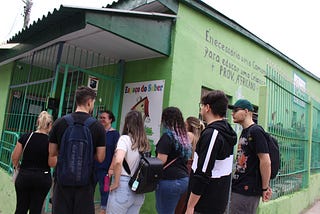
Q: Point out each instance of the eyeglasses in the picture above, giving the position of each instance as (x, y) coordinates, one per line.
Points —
(237, 109)
(201, 105)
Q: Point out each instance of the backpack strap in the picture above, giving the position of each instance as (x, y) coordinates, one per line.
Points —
(69, 119)
(89, 121)
(125, 163)
(126, 166)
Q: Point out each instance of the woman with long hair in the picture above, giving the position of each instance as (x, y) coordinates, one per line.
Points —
(34, 179)
(194, 128)
(174, 149)
(131, 143)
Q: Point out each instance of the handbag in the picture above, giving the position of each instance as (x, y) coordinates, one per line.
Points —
(16, 169)
(147, 175)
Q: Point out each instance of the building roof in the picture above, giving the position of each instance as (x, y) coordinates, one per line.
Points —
(120, 34)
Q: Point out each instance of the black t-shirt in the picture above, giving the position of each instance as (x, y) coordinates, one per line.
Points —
(178, 169)
(247, 177)
(35, 155)
(60, 125)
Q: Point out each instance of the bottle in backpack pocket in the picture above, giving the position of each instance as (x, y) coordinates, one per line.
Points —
(106, 183)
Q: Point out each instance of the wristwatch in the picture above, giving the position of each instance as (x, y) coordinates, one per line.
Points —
(263, 190)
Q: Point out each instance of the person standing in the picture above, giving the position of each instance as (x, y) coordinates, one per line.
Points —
(253, 166)
(106, 118)
(212, 164)
(194, 128)
(68, 198)
(34, 179)
(174, 149)
(131, 143)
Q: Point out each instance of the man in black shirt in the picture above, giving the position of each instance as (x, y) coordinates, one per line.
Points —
(253, 165)
(76, 199)
(212, 164)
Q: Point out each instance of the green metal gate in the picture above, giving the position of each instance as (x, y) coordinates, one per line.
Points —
(287, 116)
(30, 87)
(46, 80)
(69, 78)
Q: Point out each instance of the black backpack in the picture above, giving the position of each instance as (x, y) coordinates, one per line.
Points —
(75, 160)
(147, 175)
(274, 152)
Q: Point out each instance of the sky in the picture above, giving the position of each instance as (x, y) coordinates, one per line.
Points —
(290, 26)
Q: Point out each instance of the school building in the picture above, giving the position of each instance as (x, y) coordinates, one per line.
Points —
(147, 55)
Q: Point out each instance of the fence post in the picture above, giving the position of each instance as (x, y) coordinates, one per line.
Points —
(263, 107)
(309, 150)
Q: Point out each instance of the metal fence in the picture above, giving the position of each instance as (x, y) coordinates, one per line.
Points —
(315, 146)
(46, 80)
(288, 109)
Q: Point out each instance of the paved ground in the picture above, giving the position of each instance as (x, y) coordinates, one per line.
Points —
(314, 209)
(7, 196)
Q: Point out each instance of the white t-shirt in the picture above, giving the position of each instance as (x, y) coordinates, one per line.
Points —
(132, 156)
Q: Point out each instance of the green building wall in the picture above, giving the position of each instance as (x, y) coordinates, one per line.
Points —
(209, 54)
(5, 71)
(150, 69)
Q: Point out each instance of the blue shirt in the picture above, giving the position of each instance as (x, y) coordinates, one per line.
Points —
(112, 137)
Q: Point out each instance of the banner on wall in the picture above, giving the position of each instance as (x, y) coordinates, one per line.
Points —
(146, 97)
(299, 90)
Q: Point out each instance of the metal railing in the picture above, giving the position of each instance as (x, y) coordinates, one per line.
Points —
(288, 110)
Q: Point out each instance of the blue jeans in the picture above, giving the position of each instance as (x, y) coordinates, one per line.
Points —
(168, 194)
(123, 200)
(100, 174)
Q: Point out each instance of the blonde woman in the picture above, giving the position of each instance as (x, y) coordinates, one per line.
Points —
(34, 179)
(132, 141)
(194, 128)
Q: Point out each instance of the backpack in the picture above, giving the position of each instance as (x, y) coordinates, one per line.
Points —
(75, 159)
(274, 152)
(147, 175)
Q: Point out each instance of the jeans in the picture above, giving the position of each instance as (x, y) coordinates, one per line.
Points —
(100, 174)
(32, 186)
(168, 194)
(123, 200)
(243, 204)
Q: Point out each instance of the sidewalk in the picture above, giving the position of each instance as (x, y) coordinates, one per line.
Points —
(314, 209)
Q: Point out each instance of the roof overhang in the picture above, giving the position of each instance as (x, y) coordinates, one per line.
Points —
(120, 34)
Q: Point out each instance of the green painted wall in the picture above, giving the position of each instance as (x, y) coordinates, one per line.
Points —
(150, 69)
(5, 72)
(294, 203)
(207, 53)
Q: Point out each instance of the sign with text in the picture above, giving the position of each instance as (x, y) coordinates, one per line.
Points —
(147, 98)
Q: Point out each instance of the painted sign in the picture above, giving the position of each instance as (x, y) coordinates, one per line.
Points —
(146, 97)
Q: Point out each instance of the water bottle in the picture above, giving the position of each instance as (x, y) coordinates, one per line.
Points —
(106, 183)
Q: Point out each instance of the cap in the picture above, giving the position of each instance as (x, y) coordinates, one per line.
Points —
(242, 103)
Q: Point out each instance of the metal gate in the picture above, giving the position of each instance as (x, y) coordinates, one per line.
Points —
(46, 80)
(69, 78)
